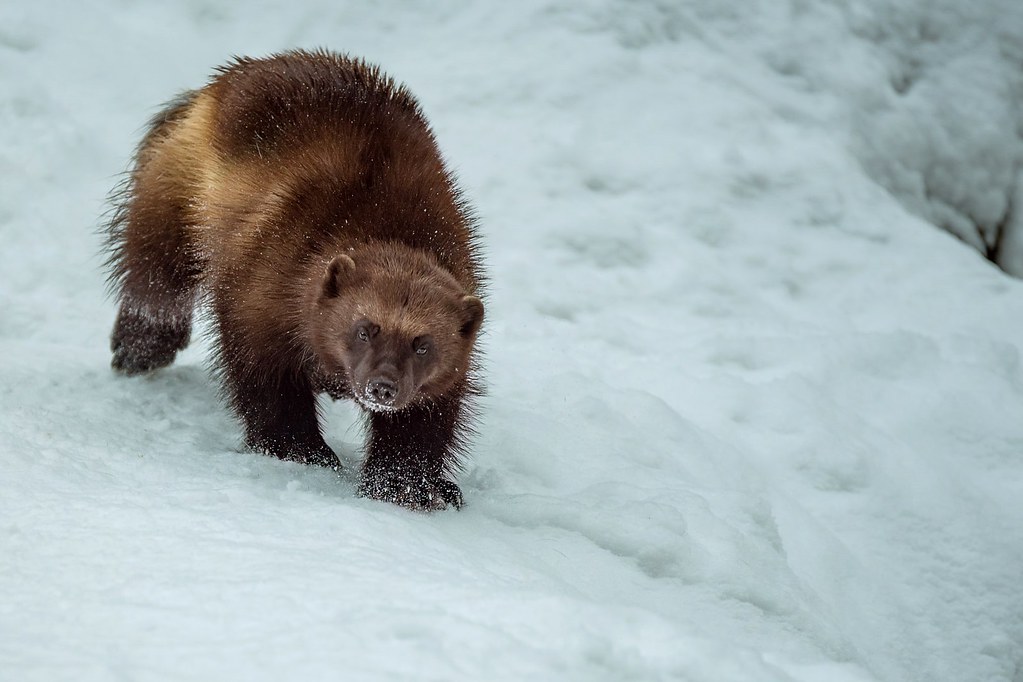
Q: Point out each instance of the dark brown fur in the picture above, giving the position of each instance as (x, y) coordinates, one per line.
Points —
(304, 198)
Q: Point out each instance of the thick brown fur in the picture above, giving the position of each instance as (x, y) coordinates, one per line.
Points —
(303, 199)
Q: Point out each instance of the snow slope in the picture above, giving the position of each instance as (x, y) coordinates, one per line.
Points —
(750, 418)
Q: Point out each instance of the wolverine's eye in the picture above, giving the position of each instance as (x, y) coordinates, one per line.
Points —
(422, 345)
(366, 331)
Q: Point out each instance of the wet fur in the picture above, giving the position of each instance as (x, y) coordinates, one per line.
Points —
(242, 196)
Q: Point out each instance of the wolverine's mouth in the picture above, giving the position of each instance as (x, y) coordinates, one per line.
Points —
(374, 406)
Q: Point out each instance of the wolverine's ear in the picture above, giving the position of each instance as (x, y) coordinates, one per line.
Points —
(337, 272)
(472, 316)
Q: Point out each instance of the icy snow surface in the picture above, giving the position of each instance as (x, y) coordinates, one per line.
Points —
(751, 418)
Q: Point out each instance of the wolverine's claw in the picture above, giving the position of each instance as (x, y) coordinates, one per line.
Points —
(422, 495)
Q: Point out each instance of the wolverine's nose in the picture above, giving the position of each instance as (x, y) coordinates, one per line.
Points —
(382, 391)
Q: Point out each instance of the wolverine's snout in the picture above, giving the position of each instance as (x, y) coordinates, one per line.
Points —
(382, 391)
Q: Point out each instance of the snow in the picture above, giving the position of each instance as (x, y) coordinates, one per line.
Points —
(750, 416)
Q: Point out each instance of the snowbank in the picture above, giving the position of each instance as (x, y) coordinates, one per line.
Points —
(749, 418)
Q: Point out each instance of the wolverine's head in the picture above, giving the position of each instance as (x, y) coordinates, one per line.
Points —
(396, 325)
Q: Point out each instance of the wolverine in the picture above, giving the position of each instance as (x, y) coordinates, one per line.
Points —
(302, 202)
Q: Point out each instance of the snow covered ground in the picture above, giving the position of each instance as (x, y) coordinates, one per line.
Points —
(751, 418)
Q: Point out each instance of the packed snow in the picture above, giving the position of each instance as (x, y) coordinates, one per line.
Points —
(752, 415)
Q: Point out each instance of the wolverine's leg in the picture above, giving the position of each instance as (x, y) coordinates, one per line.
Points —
(276, 403)
(280, 417)
(158, 284)
(153, 266)
(409, 454)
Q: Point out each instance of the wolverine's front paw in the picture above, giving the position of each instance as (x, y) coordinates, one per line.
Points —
(321, 458)
(315, 454)
(416, 494)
